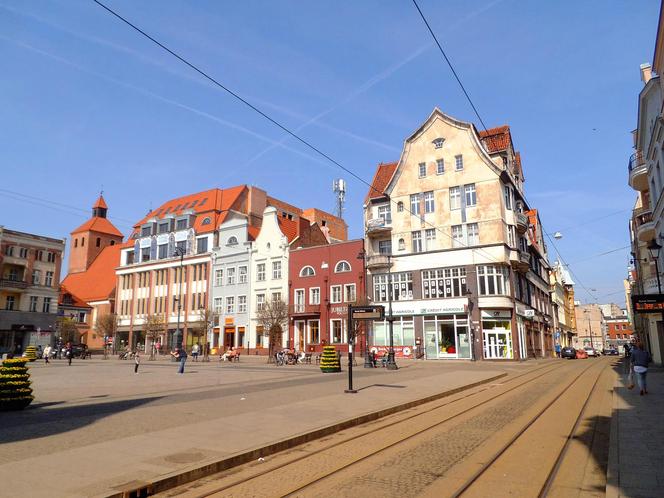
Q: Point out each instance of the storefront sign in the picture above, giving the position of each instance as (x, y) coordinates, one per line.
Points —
(366, 312)
(529, 313)
(435, 307)
(496, 314)
(399, 351)
(229, 321)
(339, 310)
(648, 303)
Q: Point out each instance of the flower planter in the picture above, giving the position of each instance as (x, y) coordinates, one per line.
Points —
(15, 391)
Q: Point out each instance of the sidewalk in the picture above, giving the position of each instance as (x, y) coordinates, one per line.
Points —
(636, 468)
(155, 425)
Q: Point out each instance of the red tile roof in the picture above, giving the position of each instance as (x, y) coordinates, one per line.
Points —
(253, 232)
(381, 179)
(97, 283)
(100, 203)
(100, 225)
(76, 301)
(291, 228)
(496, 139)
(213, 204)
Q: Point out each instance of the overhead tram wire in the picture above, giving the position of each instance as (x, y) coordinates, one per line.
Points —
(279, 125)
(470, 101)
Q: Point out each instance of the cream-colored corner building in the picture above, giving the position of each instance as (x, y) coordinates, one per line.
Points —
(562, 297)
(469, 270)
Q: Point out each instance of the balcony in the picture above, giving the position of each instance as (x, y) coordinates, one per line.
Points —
(304, 309)
(522, 222)
(13, 283)
(644, 224)
(638, 172)
(377, 261)
(523, 263)
(379, 226)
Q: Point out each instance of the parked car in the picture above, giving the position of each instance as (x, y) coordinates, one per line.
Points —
(80, 351)
(581, 354)
(568, 352)
(591, 351)
(610, 352)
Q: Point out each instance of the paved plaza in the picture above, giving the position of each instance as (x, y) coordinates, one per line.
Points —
(96, 428)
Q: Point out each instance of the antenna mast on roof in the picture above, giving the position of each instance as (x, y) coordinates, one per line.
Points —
(339, 189)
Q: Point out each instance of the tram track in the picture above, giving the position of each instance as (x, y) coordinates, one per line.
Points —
(372, 430)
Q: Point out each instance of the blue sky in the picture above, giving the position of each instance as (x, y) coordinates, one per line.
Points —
(87, 102)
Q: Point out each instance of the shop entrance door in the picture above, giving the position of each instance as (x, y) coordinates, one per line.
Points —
(299, 335)
(497, 344)
(229, 337)
(431, 344)
(463, 343)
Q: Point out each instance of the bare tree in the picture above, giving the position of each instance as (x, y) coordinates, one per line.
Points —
(273, 317)
(202, 327)
(154, 326)
(106, 326)
(67, 330)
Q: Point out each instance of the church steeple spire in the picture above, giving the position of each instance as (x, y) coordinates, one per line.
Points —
(100, 208)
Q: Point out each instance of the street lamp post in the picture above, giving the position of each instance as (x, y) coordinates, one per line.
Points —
(179, 252)
(653, 249)
(590, 328)
(391, 363)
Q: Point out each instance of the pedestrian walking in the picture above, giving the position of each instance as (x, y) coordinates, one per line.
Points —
(137, 362)
(206, 356)
(557, 350)
(639, 359)
(194, 352)
(47, 353)
(181, 355)
(69, 353)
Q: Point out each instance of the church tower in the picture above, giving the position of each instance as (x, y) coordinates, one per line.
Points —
(88, 240)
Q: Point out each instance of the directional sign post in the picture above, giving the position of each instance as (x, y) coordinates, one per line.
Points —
(359, 313)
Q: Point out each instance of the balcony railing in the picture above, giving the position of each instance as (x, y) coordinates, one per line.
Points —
(522, 222)
(379, 225)
(635, 160)
(642, 217)
(14, 283)
(304, 309)
(378, 261)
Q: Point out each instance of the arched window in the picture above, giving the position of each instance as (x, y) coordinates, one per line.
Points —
(75, 242)
(82, 241)
(206, 221)
(341, 267)
(98, 242)
(232, 241)
(399, 207)
(112, 242)
(402, 245)
(307, 271)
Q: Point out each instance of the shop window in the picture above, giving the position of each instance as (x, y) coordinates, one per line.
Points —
(314, 331)
(336, 331)
(444, 282)
(402, 286)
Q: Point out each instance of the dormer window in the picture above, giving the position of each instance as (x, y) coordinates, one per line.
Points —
(438, 143)
(146, 231)
(232, 241)
(206, 221)
(181, 224)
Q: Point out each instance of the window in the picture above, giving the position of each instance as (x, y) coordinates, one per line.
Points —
(219, 277)
(444, 282)
(342, 266)
(428, 202)
(232, 241)
(415, 204)
(163, 227)
(458, 162)
(146, 231)
(455, 198)
(48, 281)
(422, 170)
(336, 329)
(384, 214)
(181, 224)
(457, 236)
(201, 245)
(242, 275)
(276, 296)
(438, 143)
(471, 195)
(46, 306)
(230, 276)
(511, 236)
(440, 166)
(314, 331)
(508, 197)
(314, 295)
(97, 244)
(402, 245)
(402, 286)
(473, 232)
(40, 254)
(430, 236)
(50, 257)
(399, 207)
(335, 293)
(242, 304)
(33, 303)
(35, 277)
(276, 270)
(384, 247)
(493, 280)
(9, 303)
(260, 302)
(417, 241)
(145, 254)
(181, 247)
(206, 221)
(230, 304)
(351, 294)
(260, 272)
(163, 251)
(75, 242)
(307, 271)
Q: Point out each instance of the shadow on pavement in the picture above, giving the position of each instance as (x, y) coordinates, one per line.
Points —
(40, 420)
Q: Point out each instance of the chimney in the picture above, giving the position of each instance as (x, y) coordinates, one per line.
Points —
(256, 205)
(646, 73)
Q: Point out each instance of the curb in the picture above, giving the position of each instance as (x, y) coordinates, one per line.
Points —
(612, 489)
(178, 478)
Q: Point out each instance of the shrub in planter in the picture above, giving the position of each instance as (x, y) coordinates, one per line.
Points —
(15, 392)
(329, 361)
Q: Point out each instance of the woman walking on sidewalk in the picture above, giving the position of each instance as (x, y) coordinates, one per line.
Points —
(640, 358)
(137, 362)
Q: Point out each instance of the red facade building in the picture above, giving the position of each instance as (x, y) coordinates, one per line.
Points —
(323, 281)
